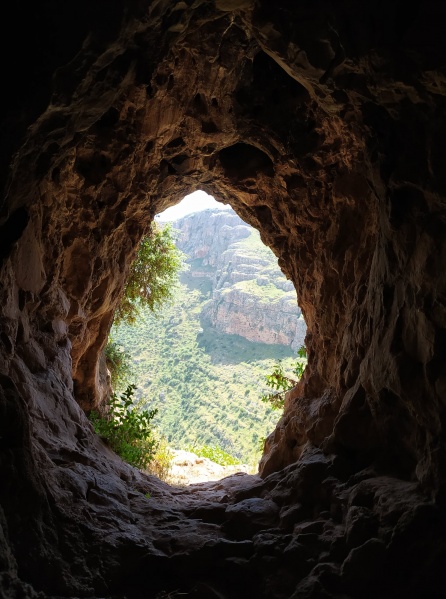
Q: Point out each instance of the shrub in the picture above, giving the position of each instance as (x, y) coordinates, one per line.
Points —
(216, 454)
(281, 383)
(162, 460)
(127, 430)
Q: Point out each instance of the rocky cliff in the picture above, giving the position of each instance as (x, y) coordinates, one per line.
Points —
(204, 236)
(250, 296)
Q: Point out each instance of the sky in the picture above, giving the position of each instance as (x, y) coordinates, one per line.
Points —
(193, 202)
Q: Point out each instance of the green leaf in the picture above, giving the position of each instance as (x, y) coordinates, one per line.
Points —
(278, 381)
(127, 430)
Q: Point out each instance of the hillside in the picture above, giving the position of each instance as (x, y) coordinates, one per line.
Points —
(248, 294)
(198, 361)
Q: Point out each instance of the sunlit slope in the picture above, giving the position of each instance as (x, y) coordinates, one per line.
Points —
(206, 385)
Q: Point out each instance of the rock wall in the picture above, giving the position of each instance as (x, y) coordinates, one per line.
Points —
(323, 125)
(235, 311)
(250, 296)
(206, 235)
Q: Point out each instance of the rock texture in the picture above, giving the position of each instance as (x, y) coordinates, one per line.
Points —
(323, 125)
(240, 311)
(249, 295)
(204, 236)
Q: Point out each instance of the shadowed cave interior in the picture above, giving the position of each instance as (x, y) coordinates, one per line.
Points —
(323, 126)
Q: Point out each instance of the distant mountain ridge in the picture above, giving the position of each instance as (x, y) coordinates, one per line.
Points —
(248, 294)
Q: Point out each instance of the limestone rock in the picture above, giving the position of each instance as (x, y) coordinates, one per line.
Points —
(250, 297)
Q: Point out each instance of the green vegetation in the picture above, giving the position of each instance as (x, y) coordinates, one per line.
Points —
(269, 284)
(153, 276)
(253, 247)
(205, 384)
(127, 430)
(197, 389)
(119, 364)
(215, 454)
(162, 460)
(282, 383)
(267, 292)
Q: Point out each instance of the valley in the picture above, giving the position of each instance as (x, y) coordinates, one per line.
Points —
(202, 361)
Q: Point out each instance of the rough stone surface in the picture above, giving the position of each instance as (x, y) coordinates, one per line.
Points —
(323, 125)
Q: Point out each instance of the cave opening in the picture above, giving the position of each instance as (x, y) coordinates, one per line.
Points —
(202, 359)
(324, 125)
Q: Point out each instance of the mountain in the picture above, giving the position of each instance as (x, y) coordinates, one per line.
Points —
(249, 295)
(199, 361)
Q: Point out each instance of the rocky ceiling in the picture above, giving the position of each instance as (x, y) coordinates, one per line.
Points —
(323, 124)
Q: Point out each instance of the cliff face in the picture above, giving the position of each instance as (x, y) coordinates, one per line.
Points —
(206, 235)
(250, 296)
(323, 125)
(237, 310)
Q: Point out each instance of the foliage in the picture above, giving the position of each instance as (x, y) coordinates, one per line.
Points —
(214, 453)
(151, 283)
(299, 367)
(204, 383)
(119, 364)
(281, 383)
(266, 293)
(252, 246)
(271, 284)
(153, 276)
(127, 430)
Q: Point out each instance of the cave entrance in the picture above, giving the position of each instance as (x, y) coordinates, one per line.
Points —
(201, 361)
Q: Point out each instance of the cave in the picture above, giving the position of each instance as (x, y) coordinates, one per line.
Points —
(322, 125)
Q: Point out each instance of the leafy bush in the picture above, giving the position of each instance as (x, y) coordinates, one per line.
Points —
(153, 276)
(127, 430)
(214, 453)
(119, 364)
(281, 383)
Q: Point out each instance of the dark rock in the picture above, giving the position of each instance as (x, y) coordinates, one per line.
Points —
(250, 515)
(361, 525)
(363, 565)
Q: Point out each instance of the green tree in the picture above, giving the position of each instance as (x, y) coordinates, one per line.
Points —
(153, 276)
(151, 283)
